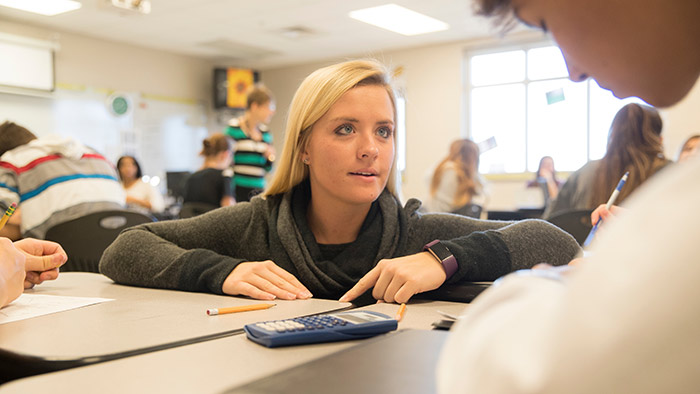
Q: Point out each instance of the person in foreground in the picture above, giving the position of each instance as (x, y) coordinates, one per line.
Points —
(626, 319)
(26, 263)
(330, 223)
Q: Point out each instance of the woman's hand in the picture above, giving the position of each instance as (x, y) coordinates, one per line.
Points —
(264, 280)
(397, 280)
(604, 213)
(42, 260)
(12, 272)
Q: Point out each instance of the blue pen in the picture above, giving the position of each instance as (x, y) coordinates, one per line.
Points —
(610, 203)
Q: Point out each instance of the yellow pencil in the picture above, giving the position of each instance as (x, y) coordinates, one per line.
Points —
(401, 312)
(7, 215)
(242, 308)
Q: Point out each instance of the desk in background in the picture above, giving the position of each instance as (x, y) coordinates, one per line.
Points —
(212, 366)
(138, 320)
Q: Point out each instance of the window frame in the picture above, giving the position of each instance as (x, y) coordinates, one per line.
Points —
(468, 87)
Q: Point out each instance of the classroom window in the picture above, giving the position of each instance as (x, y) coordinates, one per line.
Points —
(523, 100)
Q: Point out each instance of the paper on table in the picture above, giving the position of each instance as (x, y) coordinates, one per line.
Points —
(33, 305)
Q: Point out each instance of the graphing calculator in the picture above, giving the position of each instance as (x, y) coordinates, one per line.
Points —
(320, 328)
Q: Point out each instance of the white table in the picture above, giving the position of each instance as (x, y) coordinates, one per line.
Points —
(138, 320)
(212, 366)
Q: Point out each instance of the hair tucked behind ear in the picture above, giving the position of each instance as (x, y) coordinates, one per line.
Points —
(315, 96)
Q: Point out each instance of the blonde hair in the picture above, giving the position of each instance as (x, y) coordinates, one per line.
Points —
(216, 143)
(464, 154)
(315, 96)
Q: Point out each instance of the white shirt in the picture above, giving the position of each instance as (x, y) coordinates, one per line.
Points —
(627, 321)
(144, 191)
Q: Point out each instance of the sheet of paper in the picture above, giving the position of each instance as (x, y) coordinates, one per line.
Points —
(33, 305)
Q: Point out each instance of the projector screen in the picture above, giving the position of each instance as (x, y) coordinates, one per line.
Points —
(26, 66)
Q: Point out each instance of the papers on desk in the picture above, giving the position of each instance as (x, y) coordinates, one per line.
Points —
(33, 305)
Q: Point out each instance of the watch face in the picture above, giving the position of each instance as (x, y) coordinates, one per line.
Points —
(441, 251)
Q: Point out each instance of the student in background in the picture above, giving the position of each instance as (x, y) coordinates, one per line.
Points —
(626, 320)
(53, 179)
(26, 263)
(546, 179)
(140, 195)
(634, 145)
(690, 147)
(253, 153)
(210, 187)
(330, 224)
(456, 180)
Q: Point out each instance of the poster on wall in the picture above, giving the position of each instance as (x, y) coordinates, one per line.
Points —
(232, 86)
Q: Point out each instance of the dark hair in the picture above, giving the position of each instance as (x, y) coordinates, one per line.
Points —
(502, 10)
(259, 95)
(216, 143)
(13, 135)
(139, 174)
(634, 145)
(538, 174)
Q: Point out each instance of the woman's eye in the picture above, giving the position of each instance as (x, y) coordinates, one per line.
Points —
(344, 129)
(384, 132)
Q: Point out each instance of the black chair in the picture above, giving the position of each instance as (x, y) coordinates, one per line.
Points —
(575, 222)
(85, 238)
(470, 210)
(191, 209)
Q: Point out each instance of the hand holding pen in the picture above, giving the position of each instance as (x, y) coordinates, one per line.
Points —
(608, 207)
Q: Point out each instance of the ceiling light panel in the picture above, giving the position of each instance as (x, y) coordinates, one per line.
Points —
(399, 20)
(42, 7)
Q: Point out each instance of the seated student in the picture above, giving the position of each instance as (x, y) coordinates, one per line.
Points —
(690, 148)
(211, 186)
(634, 145)
(330, 217)
(140, 195)
(53, 179)
(26, 263)
(626, 320)
(456, 181)
(546, 179)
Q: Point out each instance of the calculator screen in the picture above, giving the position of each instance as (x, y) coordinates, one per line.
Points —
(359, 317)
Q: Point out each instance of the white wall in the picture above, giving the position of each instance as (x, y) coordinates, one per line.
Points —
(170, 95)
(172, 103)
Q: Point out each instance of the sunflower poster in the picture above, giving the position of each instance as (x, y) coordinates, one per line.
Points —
(240, 81)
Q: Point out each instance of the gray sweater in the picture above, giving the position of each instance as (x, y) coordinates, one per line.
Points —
(198, 254)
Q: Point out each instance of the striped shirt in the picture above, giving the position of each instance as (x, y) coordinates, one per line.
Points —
(55, 179)
(249, 163)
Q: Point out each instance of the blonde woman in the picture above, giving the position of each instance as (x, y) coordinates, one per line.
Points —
(330, 224)
(456, 181)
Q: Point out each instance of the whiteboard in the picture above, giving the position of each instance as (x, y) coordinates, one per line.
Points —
(164, 136)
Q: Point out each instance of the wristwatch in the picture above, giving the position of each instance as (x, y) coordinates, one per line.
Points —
(446, 258)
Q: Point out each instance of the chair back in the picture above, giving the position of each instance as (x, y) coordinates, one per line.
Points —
(85, 238)
(576, 222)
(470, 210)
